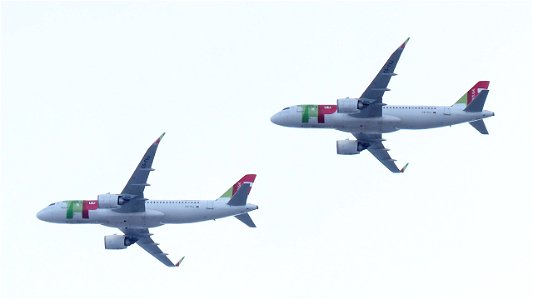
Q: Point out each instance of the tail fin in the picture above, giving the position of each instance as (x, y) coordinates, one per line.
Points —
(471, 94)
(250, 178)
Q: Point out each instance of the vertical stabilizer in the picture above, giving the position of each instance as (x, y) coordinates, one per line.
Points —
(235, 187)
(472, 93)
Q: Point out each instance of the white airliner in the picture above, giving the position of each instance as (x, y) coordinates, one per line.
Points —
(367, 117)
(133, 214)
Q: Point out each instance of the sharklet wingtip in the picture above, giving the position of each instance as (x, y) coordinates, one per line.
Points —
(160, 138)
(404, 167)
(405, 43)
(179, 261)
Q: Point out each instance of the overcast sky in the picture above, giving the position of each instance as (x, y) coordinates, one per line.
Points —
(88, 86)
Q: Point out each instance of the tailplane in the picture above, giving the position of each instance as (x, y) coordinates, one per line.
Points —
(479, 125)
(237, 195)
(478, 103)
(246, 219)
(472, 93)
(476, 106)
(241, 196)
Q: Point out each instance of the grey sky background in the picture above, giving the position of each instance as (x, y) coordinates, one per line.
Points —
(88, 86)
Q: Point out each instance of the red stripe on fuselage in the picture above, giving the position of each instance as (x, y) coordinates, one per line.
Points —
(88, 205)
(325, 110)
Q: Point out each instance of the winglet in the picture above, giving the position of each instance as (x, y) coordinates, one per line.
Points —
(159, 139)
(404, 43)
(404, 167)
(179, 262)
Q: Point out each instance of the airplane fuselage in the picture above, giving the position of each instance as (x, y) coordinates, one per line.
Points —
(394, 118)
(157, 213)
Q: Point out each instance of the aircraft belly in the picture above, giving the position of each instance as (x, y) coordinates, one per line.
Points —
(178, 215)
(421, 119)
(383, 124)
(462, 117)
(423, 122)
(148, 218)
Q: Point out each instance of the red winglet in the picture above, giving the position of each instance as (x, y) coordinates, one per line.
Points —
(179, 262)
(159, 139)
(404, 43)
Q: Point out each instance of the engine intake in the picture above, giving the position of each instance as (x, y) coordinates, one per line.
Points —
(116, 241)
(350, 147)
(349, 105)
(110, 201)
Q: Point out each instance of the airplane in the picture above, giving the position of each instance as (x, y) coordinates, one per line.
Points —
(133, 214)
(367, 117)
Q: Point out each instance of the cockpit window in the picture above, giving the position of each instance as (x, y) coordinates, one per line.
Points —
(286, 108)
(51, 204)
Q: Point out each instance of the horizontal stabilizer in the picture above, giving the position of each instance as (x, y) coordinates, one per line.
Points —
(240, 197)
(479, 125)
(246, 219)
(477, 104)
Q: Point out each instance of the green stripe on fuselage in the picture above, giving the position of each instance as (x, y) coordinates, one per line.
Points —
(308, 112)
(75, 206)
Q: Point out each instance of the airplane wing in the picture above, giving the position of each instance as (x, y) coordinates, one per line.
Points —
(134, 189)
(375, 146)
(142, 235)
(373, 94)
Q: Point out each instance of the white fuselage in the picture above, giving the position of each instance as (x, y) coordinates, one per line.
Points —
(157, 213)
(394, 118)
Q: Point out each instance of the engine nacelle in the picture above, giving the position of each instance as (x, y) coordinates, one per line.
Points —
(350, 147)
(349, 105)
(116, 241)
(110, 201)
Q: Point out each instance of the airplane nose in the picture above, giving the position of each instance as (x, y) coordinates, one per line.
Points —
(43, 215)
(40, 215)
(275, 119)
(279, 119)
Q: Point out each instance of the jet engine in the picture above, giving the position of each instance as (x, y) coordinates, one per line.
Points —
(116, 241)
(349, 105)
(110, 201)
(350, 147)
